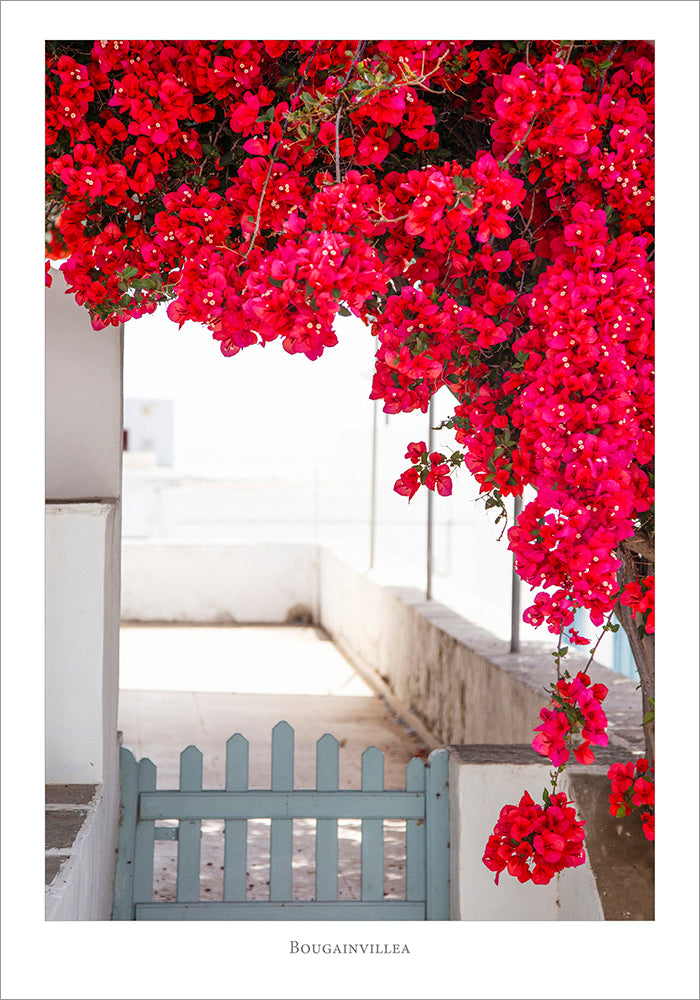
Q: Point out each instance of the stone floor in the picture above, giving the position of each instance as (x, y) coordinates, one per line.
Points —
(198, 685)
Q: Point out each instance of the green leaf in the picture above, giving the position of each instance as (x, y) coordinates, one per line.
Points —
(621, 812)
(649, 717)
(344, 311)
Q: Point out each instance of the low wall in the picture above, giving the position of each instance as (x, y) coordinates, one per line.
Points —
(482, 780)
(461, 682)
(80, 871)
(219, 583)
(456, 680)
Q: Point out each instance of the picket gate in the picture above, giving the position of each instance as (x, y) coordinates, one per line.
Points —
(423, 804)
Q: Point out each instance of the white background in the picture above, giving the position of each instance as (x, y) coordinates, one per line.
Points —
(452, 960)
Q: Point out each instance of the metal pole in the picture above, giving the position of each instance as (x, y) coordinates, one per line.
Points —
(515, 591)
(373, 498)
(429, 567)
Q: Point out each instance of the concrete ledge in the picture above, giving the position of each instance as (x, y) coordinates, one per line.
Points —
(461, 682)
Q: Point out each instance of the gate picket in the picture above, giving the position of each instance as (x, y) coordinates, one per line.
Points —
(189, 836)
(415, 835)
(123, 904)
(236, 830)
(372, 851)
(424, 805)
(437, 818)
(327, 771)
(281, 829)
(145, 839)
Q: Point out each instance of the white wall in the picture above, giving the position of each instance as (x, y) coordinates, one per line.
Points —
(218, 583)
(478, 791)
(82, 890)
(149, 427)
(81, 656)
(83, 373)
(83, 401)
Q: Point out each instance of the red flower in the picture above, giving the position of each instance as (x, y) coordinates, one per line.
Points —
(415, 451)
(533, 843)
(407, 484)
(373, 148)
(438, 478)
(551, 742)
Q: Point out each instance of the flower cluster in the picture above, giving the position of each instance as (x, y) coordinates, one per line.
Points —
(639, 596)
(575, 712)
(496, 240)
(431, 470)
(534, 843)
(486, 208)
(633, 788)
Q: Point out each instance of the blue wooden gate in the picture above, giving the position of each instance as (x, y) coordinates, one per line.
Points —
(423, 804)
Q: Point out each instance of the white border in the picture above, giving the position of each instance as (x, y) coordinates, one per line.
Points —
(251, 960)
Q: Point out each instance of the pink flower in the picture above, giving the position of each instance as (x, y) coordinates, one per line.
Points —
(415, 451)
(551, 741)
(407, 484)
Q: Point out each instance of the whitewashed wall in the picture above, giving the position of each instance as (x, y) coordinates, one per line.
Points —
(83, 533)
(82, 600)
(83, 401)
(482, 781)
(82, 890)
(172, 582)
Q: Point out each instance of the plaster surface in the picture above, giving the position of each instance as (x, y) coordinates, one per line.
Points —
(219, 583)
(83, 415)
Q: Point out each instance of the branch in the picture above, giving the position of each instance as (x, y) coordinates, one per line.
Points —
(358, 52)
(277, 145)
(520, 144)
(640, 545)
(337, 146)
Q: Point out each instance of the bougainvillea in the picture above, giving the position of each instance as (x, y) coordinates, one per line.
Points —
(575, 711)
(486, 208)
(535, 843)
(633, 788)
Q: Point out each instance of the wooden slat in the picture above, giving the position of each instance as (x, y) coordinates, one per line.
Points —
(189, 836)
(236, 830)
(123, 902)
(297, 804)
(145, 837)
(166, 833)
(327, 773)
(281, 829)
(372, 852)
(389, 909)
(437, 810)
(415, 835)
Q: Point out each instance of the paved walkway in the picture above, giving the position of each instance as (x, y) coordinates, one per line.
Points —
(185, 685)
